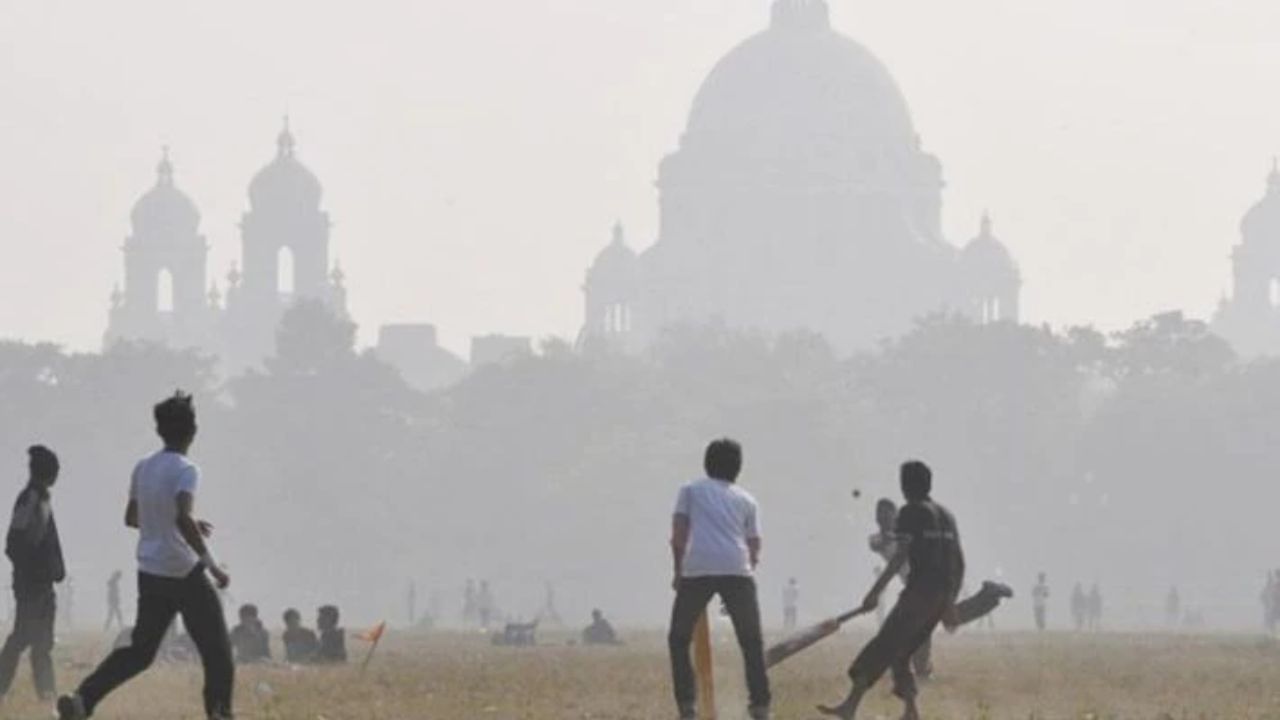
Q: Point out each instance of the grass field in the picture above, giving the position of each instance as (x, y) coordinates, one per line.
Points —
(441, 677)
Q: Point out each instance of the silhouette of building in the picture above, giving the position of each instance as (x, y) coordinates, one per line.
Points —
(165, 257)
(414, 349)
(1250, 317)
(799, 197)
(285, 257)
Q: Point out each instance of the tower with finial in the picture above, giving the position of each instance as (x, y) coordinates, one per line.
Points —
(163, 295)
(285, 254)
(610, 292)
(991, 283)
(1250, 316)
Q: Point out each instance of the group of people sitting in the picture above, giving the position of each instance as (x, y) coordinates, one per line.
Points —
(251, 641)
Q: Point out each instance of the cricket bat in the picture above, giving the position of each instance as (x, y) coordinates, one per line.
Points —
(807, 638)
(702, 667)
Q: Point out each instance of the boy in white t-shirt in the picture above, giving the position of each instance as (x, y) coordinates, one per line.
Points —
(715, 544)
(173, 559)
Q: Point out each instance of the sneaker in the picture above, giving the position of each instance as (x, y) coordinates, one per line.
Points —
(71, 707)
(1000, 589)
(758, 712)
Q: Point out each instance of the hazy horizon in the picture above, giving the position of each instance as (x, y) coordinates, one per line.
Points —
(475, 155)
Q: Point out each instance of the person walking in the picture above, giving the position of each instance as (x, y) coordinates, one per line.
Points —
(115, 616)
(174, 566)
(1040, 602)
(715, 547)
(34, 548)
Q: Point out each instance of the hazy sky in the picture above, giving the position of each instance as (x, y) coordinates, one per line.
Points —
(474, 154)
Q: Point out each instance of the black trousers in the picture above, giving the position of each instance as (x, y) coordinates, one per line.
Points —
(34, 614)
(160, 599)
(908, 626)
(739, 596)
(974, 607)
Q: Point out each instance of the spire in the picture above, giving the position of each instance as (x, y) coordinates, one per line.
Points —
(985, 228)
(619, 234)
(284, 141)
(164, 169)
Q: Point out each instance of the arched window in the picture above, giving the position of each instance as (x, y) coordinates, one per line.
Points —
(164, 291)
(285, 276)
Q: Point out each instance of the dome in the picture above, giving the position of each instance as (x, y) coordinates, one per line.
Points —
(1263, 219)
(164, 208)
(986, 257)
(616, 264)
(801, 81)
(285, 181)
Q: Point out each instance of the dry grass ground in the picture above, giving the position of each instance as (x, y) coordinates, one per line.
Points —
(442, 677)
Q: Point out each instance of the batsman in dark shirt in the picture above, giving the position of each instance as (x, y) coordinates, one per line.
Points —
(33, 546)
(929, 542)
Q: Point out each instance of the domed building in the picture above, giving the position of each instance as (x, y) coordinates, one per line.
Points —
(799, 198)
(1250, 317)
(285, 257)
(165, 257)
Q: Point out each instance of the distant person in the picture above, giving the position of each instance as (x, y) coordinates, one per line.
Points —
(300, 643)
(115, 616)
(411, 600)
(1040, 602)
(1079, 607)
(485, 605)
(1172, 608)
(1273, 604)
(600, 631)
(928, 542)
(715, 548)
(333, 639)
(550, 614)
(791, 605)
(470, 603)
(249, 638)
(34, 548)
(173, 559)
(1095, 608)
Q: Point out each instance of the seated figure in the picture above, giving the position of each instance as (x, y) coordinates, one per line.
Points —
(599, 632)
(300, 643)
(249, 639)
(333, 639)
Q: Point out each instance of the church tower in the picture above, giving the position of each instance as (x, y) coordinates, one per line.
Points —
(285, 256)
(163, 299)
(989, 278)
(610, 294)
(1250, 318)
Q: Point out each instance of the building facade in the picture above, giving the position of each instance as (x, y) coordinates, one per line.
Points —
(1249, 317)
(800, 197)
(284, 258)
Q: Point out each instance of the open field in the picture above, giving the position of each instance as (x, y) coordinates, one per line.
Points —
(979, 676)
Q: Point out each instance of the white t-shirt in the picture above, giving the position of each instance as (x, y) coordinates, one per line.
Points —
(157, 480)
(722, 517)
